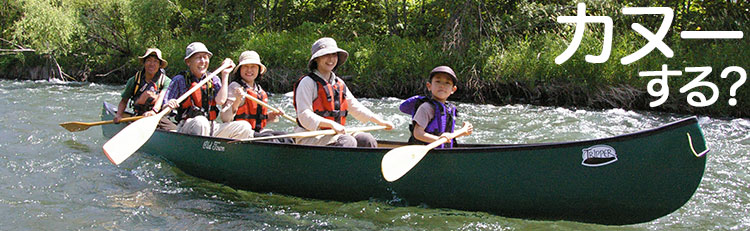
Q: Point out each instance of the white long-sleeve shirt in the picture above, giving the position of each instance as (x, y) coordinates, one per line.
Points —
(307, 91)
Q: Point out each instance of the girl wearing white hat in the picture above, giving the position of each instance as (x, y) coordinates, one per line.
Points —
(323, 101)
(244, 80)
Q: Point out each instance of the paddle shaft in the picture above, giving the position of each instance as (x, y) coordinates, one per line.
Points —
(126, 119)
(312, 133)
(187, 94)
(75, 126)
(452, 135)
(264, 104)
(438, 142)
(200, 84)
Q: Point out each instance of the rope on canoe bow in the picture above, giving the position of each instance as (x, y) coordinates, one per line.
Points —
(690, 140)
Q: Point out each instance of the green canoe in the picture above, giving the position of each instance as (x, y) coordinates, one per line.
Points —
(625, 179)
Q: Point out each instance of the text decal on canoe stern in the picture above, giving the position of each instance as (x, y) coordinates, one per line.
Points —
(213, 146)
(599, 155)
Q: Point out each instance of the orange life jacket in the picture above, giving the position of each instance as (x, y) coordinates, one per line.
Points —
(331, 101)
(200, 102)
(251, 112)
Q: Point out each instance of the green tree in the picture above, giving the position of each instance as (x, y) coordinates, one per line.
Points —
(47, 26)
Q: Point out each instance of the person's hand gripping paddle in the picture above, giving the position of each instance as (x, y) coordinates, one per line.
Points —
(398, 161)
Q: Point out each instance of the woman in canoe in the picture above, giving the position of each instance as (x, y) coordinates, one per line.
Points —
(322, 100)
(238, 108)
(146, 89)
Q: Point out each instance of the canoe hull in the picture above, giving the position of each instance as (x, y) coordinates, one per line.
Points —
(626, 179)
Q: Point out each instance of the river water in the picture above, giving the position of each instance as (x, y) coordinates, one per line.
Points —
(52, 179)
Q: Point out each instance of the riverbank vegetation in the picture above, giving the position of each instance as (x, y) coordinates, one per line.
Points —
(503, 51)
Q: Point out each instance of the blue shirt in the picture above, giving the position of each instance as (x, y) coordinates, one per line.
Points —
(177, 87)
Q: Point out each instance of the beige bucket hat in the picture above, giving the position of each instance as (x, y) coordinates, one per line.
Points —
(157, 52)
(196, 47)
(326, 46)
(250, 57)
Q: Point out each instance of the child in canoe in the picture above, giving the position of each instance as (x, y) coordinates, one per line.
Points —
(238, 108)
(433, 117)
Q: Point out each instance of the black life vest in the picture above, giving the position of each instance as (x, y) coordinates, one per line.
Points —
(142, 86)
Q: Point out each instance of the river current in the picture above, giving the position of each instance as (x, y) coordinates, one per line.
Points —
(52, 179)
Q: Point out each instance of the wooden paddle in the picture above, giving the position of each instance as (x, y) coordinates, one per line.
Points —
(269, 107)
(398, 161)
(75, 126)
(312, 133)
(132, 137)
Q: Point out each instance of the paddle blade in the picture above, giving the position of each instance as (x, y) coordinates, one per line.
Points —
(130, 139)
(397, 162)
(74, 126)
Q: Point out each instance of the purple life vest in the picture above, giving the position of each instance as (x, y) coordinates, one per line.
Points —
(442, 122)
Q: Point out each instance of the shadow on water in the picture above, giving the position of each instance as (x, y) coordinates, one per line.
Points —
(75, 145)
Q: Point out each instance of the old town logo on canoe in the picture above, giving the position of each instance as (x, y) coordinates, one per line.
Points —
(213, 145)
(599, 155)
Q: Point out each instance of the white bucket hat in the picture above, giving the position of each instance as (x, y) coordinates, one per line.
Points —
(196, 47)
(250, 57)
(157, 52)
(326, 46)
